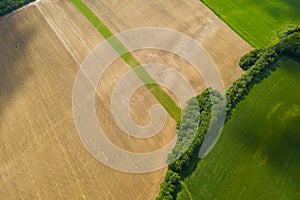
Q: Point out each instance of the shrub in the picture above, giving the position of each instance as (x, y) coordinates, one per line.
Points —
(168, 186)
(292, 29)
(250, 58)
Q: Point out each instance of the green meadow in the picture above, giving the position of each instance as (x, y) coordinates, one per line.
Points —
(258, 22)
(258, 153)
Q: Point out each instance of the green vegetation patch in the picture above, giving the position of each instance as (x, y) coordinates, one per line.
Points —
(265, 62)
(258, 22)
(7, 6)
(257, 156)
(164, 99)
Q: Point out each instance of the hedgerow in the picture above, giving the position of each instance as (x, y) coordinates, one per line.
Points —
(259, 63)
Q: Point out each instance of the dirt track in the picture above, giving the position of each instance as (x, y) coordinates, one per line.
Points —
(42, 47)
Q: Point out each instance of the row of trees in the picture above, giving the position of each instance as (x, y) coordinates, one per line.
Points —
(250, 58)
(255, 74)
(288, 45)
(259, 63)
(195, 121)
(288, 42)
(7, 6)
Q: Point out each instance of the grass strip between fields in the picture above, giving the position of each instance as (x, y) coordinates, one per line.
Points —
(164, 99)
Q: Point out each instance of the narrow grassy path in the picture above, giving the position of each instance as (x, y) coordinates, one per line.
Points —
(164, 99)
(187, 190)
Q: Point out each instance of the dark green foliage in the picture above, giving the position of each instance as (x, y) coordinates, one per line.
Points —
(292, 29)
(289, 46)
(191, 133)
(168, 186)
(262, 64)
(250, 58)
(7, 6)
(240, 88)
(186, 132)
(187, 129)
(263, 129)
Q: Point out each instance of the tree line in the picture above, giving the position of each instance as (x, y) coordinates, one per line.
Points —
(191, 132)
(7, 6)
(258, 64)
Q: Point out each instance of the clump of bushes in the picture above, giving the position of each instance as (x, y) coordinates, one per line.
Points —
(292, 29)
(168, 186)
(289, 46)
(250, 58)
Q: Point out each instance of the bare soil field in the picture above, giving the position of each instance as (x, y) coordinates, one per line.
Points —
(42, 47)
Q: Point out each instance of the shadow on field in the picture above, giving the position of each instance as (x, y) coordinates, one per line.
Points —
(285, 155)
(288, 8)
(295, 4)
(282, 152)
(15, 35)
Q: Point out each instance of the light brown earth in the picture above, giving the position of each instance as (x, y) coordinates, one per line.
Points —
(41, 49)
(190, 17)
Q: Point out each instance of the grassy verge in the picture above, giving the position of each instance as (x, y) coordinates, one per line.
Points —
(257, 156)
(258, 22)
(164, 99)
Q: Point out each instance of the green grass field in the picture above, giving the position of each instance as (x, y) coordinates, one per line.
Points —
(258, 22)
(258, 153)
(164, 99)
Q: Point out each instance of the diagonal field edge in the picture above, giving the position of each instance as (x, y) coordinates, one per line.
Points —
(164, 99)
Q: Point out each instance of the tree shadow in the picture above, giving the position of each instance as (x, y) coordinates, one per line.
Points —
(291, 8)
(15, 35)
(294, 4)
(282, 152)
(285, 155)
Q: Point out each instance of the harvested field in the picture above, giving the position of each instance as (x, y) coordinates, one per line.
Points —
(42, 47)
(189, 17)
